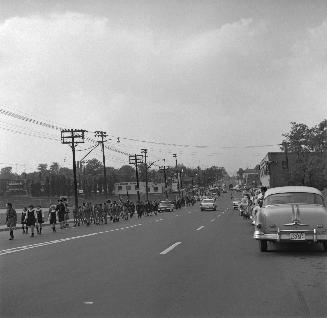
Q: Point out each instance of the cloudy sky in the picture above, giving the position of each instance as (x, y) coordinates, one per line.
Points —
(223, 75)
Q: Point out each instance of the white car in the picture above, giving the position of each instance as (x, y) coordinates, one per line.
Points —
(208, 204)
(236, 204)
(291, 214)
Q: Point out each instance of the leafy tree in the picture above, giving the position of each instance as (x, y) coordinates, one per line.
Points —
(310, 170)
(42, 167)
(6, 173)
(93, 167)
(54, 168)
(126, 173)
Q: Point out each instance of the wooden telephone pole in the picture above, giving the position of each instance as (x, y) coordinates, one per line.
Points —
(135, 160)
(73, 137)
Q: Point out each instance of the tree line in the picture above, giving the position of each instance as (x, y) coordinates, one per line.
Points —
(55, 180)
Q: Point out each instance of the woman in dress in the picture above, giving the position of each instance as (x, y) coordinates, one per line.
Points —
(11, 220)
(39, 219)
(23, 220)
(53, 217)
(31, 219)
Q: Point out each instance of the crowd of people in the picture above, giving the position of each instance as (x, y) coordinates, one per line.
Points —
(109, 211)
(250, 202)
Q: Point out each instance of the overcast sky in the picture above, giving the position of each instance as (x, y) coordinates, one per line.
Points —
(229, 73)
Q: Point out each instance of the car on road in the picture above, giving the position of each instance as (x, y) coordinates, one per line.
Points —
(291, 214)
(208, 204)
(236, 204)
(166, 206)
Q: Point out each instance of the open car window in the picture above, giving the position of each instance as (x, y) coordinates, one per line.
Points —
(293, 198)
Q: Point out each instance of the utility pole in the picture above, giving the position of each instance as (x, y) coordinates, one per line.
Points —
(163, 168)
(145, 151)
(103, 135)
(135, 160)
(73, 137)
(178, 176)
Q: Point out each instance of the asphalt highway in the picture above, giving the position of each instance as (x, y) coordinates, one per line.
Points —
(186, 263)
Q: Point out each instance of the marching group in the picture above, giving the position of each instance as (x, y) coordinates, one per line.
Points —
(86, 214)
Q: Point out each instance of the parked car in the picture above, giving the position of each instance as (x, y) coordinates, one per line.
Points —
(208, 204)
(291, 214)
(165, 206)
(236, 204)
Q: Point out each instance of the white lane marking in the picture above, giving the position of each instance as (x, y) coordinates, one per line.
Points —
(213, 220)
(200, 228)
(88, 302)
(189, 212)
(170, 248)
(30, 246)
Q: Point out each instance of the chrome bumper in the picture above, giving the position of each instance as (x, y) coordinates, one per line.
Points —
(284, 235)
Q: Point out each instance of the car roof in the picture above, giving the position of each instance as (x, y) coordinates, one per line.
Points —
(292, 189)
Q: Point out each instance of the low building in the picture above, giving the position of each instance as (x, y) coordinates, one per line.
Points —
(13, 187)
(279, 169)
(251, 177)
(123, 188)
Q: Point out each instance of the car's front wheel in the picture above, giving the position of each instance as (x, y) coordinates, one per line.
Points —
(263, 246)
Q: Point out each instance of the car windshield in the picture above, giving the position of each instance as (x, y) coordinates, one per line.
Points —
(293, 197)
(165, 203)
(208, 201)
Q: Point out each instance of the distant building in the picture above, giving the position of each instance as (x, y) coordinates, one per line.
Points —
(278, 169)
(122, 188)
(13, 187)
(251, 177)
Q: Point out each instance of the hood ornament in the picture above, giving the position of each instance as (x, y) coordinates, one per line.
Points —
(295, 216)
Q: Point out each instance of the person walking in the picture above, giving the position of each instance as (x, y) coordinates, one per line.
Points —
(39, 219)
(23, 220)
(60, 208)
(53, 217)
(11, 220)
(31, 219)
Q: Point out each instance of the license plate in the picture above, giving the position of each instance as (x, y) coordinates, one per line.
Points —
(297, 236)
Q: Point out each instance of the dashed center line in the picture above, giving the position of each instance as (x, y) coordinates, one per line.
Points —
(200, 228)
(30, 246)
(170, 248)
(213, 220)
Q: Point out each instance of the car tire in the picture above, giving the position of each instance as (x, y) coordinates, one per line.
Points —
(325, 246)
(263, 245)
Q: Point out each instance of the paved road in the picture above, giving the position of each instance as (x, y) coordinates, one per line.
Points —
(182, 264)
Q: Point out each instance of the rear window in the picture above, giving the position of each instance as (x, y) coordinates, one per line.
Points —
(164, 203)
(293, 198)
(208, 201)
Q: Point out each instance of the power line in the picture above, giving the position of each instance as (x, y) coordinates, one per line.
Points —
(28, 134)
(54, 126)
(30, 119)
